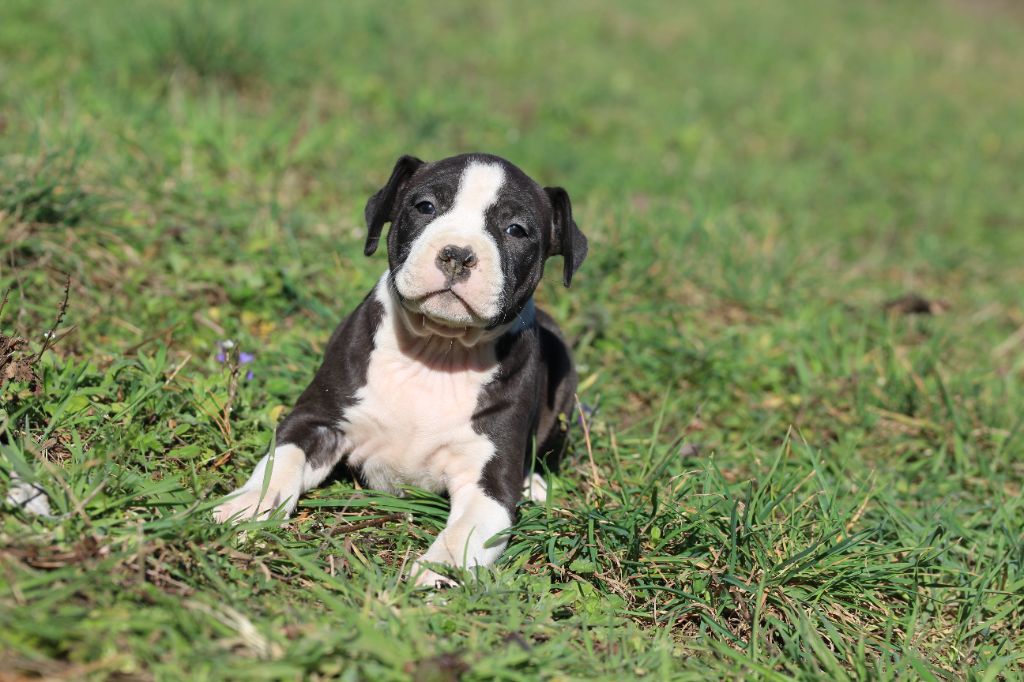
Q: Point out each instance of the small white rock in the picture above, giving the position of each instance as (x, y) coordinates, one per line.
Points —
(29, 497)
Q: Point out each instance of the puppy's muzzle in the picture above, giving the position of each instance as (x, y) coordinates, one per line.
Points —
(456, 262)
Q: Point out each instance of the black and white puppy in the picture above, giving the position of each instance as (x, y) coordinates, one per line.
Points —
(446, 377)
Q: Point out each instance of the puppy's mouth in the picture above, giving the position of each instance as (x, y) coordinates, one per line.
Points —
(442, 312)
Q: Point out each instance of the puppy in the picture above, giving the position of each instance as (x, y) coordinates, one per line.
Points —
(447, 376)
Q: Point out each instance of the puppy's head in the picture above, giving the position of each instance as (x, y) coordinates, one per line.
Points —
(469, 237)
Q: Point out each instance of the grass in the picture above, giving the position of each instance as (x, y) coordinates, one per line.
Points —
(789, 479)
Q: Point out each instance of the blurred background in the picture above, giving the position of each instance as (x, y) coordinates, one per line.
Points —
(200, 169)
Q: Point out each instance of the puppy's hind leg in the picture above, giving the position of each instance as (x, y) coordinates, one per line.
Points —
(300, 461)
(557, 407)
(535, 488)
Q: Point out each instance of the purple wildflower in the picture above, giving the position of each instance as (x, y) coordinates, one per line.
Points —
(245, 359)
(223, 349)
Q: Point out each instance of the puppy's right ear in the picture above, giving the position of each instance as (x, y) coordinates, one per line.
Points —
(381, 206)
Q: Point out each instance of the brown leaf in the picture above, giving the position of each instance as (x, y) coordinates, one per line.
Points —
(15, 364)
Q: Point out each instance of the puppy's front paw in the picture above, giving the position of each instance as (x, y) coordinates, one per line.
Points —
(246, 503)
(276, 482)
(429, 579)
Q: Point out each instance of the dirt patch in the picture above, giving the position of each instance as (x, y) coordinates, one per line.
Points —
(992, 8)
(915, 304)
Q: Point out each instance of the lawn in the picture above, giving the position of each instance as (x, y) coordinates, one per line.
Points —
(792, 469)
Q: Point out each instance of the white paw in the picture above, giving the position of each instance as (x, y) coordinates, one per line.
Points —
(431, 579)
(276, 483)
(246, 503)
(535, 488)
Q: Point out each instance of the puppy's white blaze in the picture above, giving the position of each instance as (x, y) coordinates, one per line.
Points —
(277, 481)
(462, 225)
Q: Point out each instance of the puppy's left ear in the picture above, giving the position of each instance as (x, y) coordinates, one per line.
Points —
(381, 206)
(566, 238)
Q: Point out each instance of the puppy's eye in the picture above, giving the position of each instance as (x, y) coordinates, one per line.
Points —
(426, 208)
(516, 230)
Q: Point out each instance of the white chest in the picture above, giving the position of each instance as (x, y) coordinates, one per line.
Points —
(412, 420)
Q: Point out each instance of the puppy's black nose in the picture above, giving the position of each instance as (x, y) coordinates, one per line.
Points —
(455, 262)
